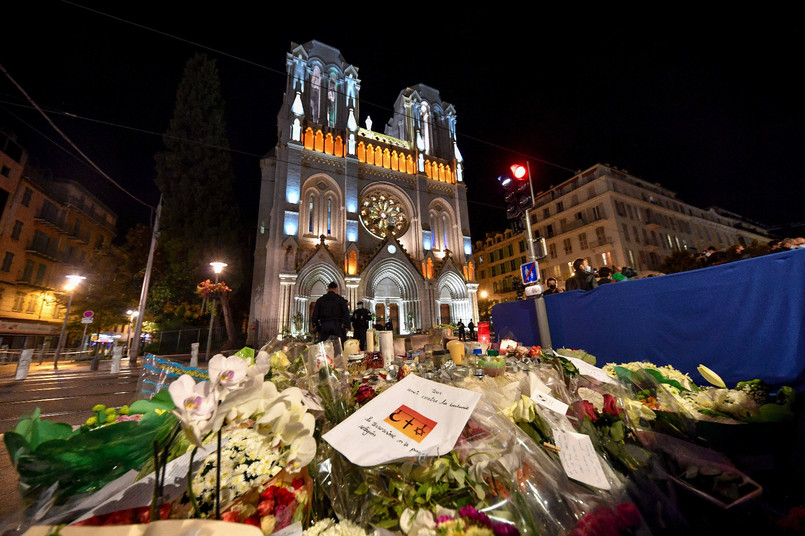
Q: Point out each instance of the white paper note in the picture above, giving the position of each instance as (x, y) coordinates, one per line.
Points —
(547, 401)
(415, 417)
(591, 370)
(579, 458)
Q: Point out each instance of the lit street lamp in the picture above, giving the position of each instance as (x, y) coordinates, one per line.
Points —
(72, 283)
(217, 267)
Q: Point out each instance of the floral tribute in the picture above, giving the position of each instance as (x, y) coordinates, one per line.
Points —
(260, 416)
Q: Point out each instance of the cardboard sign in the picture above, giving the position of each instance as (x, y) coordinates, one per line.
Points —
(415, 417)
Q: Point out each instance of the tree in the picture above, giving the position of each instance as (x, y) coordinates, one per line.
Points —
(679, 261)
(195, 175)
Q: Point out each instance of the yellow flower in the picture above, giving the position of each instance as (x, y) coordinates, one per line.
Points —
(92, 421)
(98, 407)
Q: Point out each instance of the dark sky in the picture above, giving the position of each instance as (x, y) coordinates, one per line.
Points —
(711, 108)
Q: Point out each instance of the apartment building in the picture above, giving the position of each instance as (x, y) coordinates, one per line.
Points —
(48, 229)
(611, 218)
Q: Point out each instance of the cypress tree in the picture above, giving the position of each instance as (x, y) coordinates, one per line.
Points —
(196, 177)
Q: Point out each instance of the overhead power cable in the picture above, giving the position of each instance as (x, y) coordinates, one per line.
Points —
(68, 140)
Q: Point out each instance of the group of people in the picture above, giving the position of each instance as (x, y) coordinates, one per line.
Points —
(331, 317)
(585, 278)
(711, 256)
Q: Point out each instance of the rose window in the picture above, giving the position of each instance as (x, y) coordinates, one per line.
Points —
(381, 214)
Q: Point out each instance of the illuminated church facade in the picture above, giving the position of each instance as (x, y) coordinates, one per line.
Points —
(384, 215)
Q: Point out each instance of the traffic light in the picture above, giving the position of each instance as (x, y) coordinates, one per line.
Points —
(518, 191)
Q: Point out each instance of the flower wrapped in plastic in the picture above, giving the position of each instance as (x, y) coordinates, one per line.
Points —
(328, 379)
(60, 467)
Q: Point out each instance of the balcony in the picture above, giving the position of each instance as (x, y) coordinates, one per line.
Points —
(51, 218)
(602, 244)
(43, 249)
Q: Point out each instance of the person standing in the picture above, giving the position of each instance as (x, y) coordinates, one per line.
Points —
(471, 327)
(360, 323)
(583, 279)
(389, 325)
(552, 289)
(461, 334)
(331, 315)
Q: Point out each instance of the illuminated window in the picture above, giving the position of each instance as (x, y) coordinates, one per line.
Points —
(310, 216)
(329, 216)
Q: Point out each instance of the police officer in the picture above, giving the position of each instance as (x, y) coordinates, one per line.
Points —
(331, 315)
(360, 323)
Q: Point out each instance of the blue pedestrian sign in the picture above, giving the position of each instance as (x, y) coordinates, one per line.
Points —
(529, 272)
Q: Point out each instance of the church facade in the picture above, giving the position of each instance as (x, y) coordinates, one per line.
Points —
(384, 215)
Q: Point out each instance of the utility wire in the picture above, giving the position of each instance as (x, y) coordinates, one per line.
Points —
(284, 74)
(73, 145)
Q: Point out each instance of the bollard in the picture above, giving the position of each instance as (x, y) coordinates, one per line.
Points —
(194, 354)
(96, 360)
(117, 355)
(24, 364)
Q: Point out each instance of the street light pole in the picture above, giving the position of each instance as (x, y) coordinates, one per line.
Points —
(539, 303)
(217, 267)
(72, 282)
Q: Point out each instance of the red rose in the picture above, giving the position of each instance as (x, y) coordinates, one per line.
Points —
(230, 516)
(253, 520)
(583, 409)
(611, 406)
(265, 508)
(630, 515)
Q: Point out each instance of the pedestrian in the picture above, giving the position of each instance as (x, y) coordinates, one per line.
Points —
(331, 315)
(461, 334)
(552, 288)
(604, 275)
(471, 327)
(389, 325)
(583, 279)
(360, 323)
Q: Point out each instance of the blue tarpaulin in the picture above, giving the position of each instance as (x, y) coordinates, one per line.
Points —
(744, 320)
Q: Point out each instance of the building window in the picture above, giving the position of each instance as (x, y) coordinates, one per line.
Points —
(40, 274)
(546, 212)
(7, 261)
(568, 246)
(552, 250)
(521, 243)
(6, 171)
(31, 308)
(559, 207)
(549, 231)
(626, 232)
(636, 235)
(329, 216)
(596, 210)
(583, 241)
(15, 232)
(29, 271)
(513, 265)
(600, 235)
(19, 301)
(310, 215)
(26, 197)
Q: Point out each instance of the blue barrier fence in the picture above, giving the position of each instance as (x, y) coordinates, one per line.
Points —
(744, 320)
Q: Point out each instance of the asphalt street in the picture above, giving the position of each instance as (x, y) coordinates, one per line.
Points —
(63, 395)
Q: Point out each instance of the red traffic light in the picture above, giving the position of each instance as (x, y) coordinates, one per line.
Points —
(519, 171)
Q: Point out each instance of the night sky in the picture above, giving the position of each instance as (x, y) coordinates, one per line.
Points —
(711, 108)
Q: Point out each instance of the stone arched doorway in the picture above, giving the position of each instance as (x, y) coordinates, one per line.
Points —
(391, 290)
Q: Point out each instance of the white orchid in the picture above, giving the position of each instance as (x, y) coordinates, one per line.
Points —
(196, 405)
(227, 372)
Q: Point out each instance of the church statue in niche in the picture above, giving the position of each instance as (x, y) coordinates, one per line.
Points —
(381, 213)
(315, 94)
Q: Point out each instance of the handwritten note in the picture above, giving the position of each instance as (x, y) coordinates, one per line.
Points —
(579, 459)
(415, 417)
(590, 370)
(547, 401)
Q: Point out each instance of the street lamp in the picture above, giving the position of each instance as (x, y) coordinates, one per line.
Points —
(217, 267)
(72, 283)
